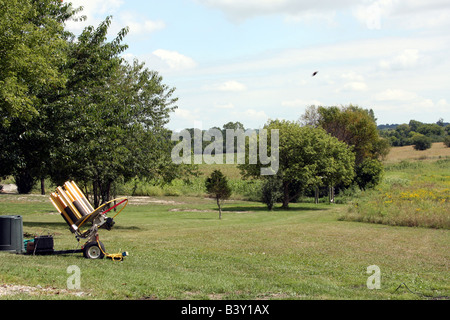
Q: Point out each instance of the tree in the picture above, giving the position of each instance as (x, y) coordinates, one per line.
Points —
(431, 130)
(356, 127)
(234, 126)
(421, 142)
(415, 125)
(114, 115)
(307, 156)
(217, 187)
(369, 173)
(105, 125)
(271, 191)
(447, 141)
(33, 43)
(231, 126)
(311, 117)
(33, 49)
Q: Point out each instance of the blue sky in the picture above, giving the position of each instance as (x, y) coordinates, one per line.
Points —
(250, 61)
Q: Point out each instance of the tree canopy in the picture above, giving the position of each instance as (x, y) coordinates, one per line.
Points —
(307, 156)
(102, 120)
(33, 43)
(357, 128)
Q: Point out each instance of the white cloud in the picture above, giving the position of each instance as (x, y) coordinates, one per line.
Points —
(372, 13)
(228, 86)
(409, 58)
(353, 86)
(239, 10)
(356, 53)
(97, 10)
(410, 14)
(312, 16)
(250, 114)
(443, 103)
(140, 27)
(188, 115)
(396, 95)
(300, 103)
(442, 106)
(408, 102)
(224, 106)
(352, 76)
(129, 57)
(175, 60)
(98, 6)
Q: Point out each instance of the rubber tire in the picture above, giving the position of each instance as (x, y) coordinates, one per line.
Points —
(92, 250)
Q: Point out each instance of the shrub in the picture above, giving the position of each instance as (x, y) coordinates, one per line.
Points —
(172, 191)
(447, 141)
(271, 191)
(421, 142)
(369, 173)
(25, 182)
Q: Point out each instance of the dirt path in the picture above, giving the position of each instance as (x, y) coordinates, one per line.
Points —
(10, 289)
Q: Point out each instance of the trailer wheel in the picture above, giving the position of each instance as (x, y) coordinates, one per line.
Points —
(93, 251)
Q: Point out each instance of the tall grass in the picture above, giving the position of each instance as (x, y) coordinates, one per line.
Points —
(414, 194)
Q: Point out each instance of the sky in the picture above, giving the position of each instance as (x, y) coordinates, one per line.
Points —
(253, 60)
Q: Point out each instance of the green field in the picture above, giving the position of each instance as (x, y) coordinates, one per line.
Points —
(179, 249)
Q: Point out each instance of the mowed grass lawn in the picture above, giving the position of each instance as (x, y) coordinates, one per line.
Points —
(179, 249)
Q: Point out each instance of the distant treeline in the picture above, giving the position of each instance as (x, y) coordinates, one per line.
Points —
(397, 134)
(405, 134)
(205, 142)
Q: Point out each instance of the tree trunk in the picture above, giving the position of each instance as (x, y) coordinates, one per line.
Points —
(95, 193)
(43, 186)
(316, 200)
(285, 195)
(220, 209)
(331, 194)
(101, 192)
(106, 190)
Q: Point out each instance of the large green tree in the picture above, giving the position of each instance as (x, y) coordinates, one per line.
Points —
(356, 127)
(105, 124)
(112, 117)
(32, 49)
(308, 156)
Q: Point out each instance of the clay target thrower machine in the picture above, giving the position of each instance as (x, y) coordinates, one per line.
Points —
(79, 214)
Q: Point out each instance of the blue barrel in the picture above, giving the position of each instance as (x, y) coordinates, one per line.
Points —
(11, 234)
